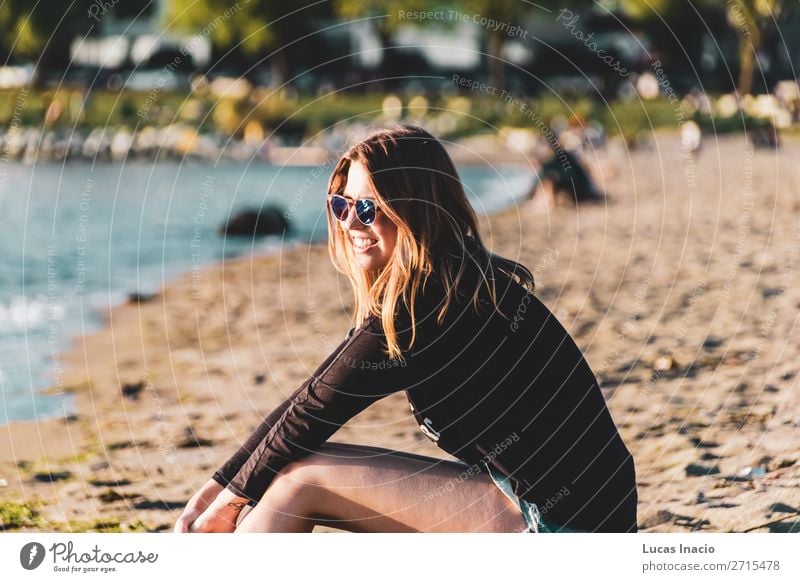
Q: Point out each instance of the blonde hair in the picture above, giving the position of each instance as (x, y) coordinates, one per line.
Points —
(417, 187)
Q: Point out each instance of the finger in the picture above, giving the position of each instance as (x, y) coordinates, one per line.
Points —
(182, 525)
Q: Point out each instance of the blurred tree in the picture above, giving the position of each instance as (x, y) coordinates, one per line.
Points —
(513, 12)
(134, 8)
(753, 21)
(250, 29)
(507, 13)
(42, 30)
(386, 13)
(385, 16)
(676, 33)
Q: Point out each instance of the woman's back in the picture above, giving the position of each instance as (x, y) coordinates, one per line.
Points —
(517, 392)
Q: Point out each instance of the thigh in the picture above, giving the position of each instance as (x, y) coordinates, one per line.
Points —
(365, 488)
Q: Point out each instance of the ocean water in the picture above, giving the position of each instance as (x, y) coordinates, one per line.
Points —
(76, 238)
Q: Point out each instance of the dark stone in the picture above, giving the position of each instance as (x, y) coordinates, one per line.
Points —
(52, 476)
(132, 391)
(160, 504)
(697, 470)
(252, 223)
(109, 483)
(112, 496)
(659, 518)
(712, 342)
(139, 297)
(782, 508)
(192, 441)
(785, 527)
(701, 444)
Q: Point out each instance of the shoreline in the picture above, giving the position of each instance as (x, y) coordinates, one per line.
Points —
(123, 295)
(167, 389)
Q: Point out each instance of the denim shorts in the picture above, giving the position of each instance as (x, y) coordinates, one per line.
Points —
(537, 523)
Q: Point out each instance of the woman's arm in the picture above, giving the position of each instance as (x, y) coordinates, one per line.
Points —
(356, 376)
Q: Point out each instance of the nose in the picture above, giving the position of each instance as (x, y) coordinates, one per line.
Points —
(352, 222)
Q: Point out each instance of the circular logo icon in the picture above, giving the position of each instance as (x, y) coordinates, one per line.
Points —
(31, 555)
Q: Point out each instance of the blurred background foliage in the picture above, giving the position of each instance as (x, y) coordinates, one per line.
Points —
(298, 67)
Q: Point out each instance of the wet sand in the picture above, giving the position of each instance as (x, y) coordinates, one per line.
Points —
(682, 290)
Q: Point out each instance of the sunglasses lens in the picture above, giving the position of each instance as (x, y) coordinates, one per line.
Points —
(365, 210)
(339, 207)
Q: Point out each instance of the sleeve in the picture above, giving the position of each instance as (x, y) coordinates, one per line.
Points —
(359, 374)
(225, 474)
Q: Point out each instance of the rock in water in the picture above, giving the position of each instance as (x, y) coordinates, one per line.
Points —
(269, 220)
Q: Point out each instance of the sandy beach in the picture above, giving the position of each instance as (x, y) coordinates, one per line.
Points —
(682, 290)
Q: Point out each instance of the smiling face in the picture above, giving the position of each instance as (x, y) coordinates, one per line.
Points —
(373, 244)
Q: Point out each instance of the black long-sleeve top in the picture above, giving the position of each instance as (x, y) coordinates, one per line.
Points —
(513, 391)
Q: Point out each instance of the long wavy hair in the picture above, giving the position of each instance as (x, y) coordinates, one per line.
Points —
(418, 188)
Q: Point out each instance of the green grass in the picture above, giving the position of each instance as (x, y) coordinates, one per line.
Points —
(107, 525)
(304, 116)
(15, 515)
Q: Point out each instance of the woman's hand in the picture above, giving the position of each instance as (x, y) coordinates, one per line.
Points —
(221, 514)
(197, 505)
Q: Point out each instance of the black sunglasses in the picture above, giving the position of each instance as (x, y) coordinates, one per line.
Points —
(366, 209)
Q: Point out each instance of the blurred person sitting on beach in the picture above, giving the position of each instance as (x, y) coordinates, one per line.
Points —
(491, 377)
(563, 179)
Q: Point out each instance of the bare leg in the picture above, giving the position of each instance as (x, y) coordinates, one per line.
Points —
(370, 489)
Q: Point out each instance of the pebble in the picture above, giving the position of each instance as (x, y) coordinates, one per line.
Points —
(751, 472)
(664, 363)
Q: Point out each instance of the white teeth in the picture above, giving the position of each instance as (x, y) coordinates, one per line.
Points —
(364, 242)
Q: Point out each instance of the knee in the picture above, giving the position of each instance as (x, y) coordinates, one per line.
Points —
(291, 483)
(289, 499)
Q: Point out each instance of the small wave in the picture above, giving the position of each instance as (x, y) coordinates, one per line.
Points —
(29, 313)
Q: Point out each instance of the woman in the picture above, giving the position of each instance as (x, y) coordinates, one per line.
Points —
(491, 376)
